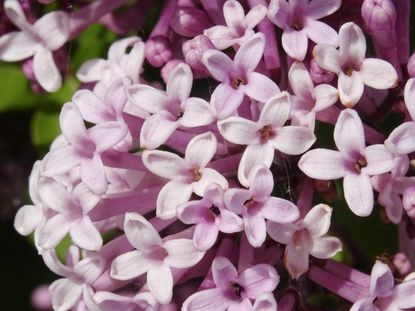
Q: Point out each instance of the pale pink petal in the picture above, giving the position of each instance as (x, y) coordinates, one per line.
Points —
(59, 161)
(225, 100)
(107, 134)
(180, 82)
(218, 64)
(90, 268)
(239, 131)
(16, 45)
(381, 279)
(54, 195)
(14, 12)
(27, 218)
(293, 140)
(222, 37)
(326, 247)
(206, 300)
(164, 164)
(201, 149)
(318, 220)
(197, 112)
(321, 33)
(409, 96)
(252, 156)
(242, 305)
(130, 265)
(379, 160)
(259, 279)
(72, 124)
(194, 212)
(317, 9)
(296, 260)
(276, 111)
(147, 98)
(230, 222)
(358, 193)
(65, 294)
(160, 283)
(92, 108)
(260, 87)
(265, 302)
(278, 12)
(250, 53)
(325, 95)
(350, 88)
(352, 43)
(323, 164)
(156, 130)
(53, 231)
(93, 174)
(255, 230)
(135, 61)
(45, 70)
(280, 210)
(401, 140)
(234, 13)
(205, 236)
(262, 183)
(172, 195)
(209, 176)
(349, 135)
(54, 264)
(235, 199)
(295, 43)
(140, 233)
(182, 253)
(223, 272)
(91, 70)
(85, 234)
(300, 80)
(107, 301)
(378, 74)
(327, 57)
(255, 16)
(53, 29)
(403, 294)
(119, 48)
(281, 233)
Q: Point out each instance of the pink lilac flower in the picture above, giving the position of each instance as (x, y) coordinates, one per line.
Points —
(239, 27)
(353, 70)
(235, 291)
(48, 34)
(257, 205)
(153, 256)
(108, 301)
(304, 238)
(187, 175)
(210, 216)
(299, 21)
(266, 135)
(384, 295)
(354, 162)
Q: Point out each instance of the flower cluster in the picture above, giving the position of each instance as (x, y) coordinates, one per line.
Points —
(170, 193)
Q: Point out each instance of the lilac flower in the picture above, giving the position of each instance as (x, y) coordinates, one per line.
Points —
(234, 291)
(304, 238)
(353, 70)
(383, 295)
(210, 216)
(48, 34)
(239, 27)
(237, 77)
(298, 19)
(153, 256)
(266, 135)
(108, 301)
(187, 175)
(169, 109)
(354, 162)
(256, 205)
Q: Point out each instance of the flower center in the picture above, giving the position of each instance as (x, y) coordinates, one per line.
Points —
(249, 203)
(266, 133)
(359, 164)
(215, 210)
(237, 289)
(236, 82)
(196, 173)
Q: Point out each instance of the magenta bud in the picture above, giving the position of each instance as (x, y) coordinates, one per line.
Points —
(193, 51)
(190, 21)
(379, 14)
(168, 68)
(318, 74)
(402, 264)
(158, 50)
(408, 201)
(411, 66)
(41, 298)
(27, 68)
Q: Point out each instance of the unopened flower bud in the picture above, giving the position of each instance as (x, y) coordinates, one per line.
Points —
(158, 50)
(409, 201)
(193, 51)
(379, 14)
(402, 265)
(190, 22)
(41, 298)
(168, 68)
(318, 74)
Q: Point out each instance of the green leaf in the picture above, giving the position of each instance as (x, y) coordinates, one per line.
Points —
(44, 128)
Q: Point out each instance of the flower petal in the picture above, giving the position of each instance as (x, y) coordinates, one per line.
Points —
(323, 164)
(45, 70)
(27, 218)
(281, 233)
(295, 43)
(381, 279)
(91, 70)
(317, 9)
(225, 100)
(201, 149)
(164, 164)
(197, 112)
(182, 253)
(179, 83)
(378, 74)
(156, 130)
(261, 278)
(401, 140)
(325, 95)
(107, 134)
(65, 294)
(326, 247)
(160, 283)
(296, 260)
(252, 156)
(16, 45)
(170, 196)
(209, 176)
(238, 130)
(260, 87)
(379, 160)
(222, 37)
(352, 43)
(300, 80)
(140, 233)
(147, 98)
(218, 64)
(53, 29)
(255, 230)
(321, 33)
(53, 231)
(262, 183)
(318, 220)
(250, 53)
(206, 300)
(205, 236)
(223, 272)
(350, 88)
(276, 111)
(293, 140)
(234, 13)
(409, 96)
(60, 160)
(327, 57)
(130, 265)
(349, 135)
(280, 210)
(93, 174)
(255, 16)
(358, 193)
(85, 235)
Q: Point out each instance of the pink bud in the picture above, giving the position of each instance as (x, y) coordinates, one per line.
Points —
(401, 264)
(318, 74)
(193, 51)
(379, 14)
(409, 201)
(158, 50)
(41, 298)
(168, 68)
(190, 22)
(411, 66)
